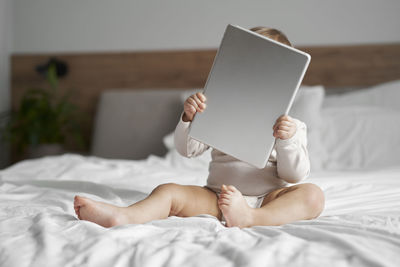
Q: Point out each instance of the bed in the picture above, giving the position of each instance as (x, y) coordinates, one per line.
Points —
(354, 164)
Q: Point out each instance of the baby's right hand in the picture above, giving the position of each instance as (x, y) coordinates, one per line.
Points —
(193, 104)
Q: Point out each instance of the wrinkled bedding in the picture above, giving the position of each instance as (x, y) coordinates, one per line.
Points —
(360, 225)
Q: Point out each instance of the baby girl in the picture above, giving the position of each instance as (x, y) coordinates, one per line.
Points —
(236, 192)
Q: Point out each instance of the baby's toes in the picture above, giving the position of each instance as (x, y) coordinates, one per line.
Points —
(232, 188)
(224, 201)
(224, 188)
(78, 213)
(224, 198)
(77, 201)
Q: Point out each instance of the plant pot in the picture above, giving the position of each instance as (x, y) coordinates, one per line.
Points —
(45, 150)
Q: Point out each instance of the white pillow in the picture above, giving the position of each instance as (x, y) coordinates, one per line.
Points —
(168, 141)
(360, 137)
(384, 95)
(307, 105)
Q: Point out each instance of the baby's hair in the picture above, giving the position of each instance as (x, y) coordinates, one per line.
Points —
(274, 34)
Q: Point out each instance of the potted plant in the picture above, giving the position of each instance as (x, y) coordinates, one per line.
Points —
(44, 120)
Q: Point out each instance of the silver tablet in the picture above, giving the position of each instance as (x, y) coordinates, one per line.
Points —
(252, 82)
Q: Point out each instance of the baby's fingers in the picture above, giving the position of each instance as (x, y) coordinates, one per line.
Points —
(201, 96)
(282, 134)
(284, 118)
(201, 106)
(280, 124)
(191, 109)
(192, 102)
(283, 128)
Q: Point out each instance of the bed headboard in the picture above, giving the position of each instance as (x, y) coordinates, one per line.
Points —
(92, 73)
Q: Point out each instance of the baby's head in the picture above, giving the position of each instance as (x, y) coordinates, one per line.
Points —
(274, 34)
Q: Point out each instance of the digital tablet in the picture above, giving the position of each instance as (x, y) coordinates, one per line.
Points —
(253, 81)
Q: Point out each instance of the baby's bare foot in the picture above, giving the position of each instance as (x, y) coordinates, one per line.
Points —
(101, 213)
(234, 207)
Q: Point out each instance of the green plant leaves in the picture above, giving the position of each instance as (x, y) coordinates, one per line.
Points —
(51, 76)
(44, 117)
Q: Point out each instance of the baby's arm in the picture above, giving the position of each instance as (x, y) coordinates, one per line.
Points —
(293, 163)
(185, 145)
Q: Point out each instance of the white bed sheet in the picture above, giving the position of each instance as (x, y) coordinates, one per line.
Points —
(360, 225)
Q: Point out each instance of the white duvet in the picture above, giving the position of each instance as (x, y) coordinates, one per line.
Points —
(360, 225)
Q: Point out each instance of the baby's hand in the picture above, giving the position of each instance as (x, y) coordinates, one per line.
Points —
(193, 104)
(284, 127)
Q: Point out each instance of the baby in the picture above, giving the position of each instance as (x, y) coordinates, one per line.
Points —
(236, 192)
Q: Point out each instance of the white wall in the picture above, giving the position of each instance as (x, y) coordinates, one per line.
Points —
(88, 25)
(5, 50)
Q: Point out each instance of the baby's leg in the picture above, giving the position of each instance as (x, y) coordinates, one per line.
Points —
(165, 200)
(281, 206)
(297, 202)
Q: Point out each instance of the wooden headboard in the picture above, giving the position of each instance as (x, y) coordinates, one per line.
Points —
(92, 73)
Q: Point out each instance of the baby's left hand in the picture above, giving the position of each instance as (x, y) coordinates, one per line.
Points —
(284, 127)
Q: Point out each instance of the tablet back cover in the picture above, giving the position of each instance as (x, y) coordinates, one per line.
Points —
(252, 82)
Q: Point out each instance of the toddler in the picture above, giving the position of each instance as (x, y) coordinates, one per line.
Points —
(236, 192)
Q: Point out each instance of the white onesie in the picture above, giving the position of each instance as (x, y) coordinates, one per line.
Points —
(288, 163)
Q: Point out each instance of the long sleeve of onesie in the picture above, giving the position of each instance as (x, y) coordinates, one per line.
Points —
(293, 164)
(185, 145)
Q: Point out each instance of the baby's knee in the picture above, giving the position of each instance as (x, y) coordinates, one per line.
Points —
(173, 194)
(168, 188)
(314, 199)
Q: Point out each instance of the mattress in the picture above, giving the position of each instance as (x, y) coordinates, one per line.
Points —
(360, 225)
